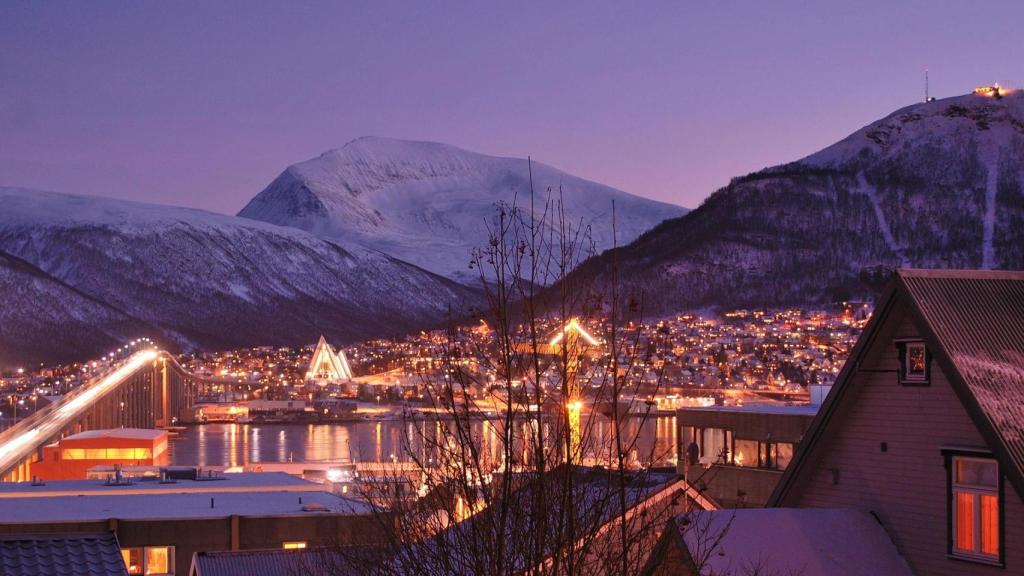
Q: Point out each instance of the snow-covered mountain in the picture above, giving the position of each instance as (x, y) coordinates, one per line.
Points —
(428, 203)
(933, 185)
(201, 279)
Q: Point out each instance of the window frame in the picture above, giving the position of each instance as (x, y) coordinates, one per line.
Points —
(951, 455)
(905, 377)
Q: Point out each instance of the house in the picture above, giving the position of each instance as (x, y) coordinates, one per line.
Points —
(923, 432)
(924, 428)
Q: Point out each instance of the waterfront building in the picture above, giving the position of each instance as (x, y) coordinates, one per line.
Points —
(70, 458)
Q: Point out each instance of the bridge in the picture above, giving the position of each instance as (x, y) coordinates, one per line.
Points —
(147, 389)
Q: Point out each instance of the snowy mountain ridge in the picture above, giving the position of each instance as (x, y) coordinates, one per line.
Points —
(216, 281)
(429, 203)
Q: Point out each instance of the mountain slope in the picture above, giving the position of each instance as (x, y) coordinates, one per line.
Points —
(218, 281)
(933, 185)
(35, 303)
(428, 203)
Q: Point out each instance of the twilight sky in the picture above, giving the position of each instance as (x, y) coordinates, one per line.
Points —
(202, 104)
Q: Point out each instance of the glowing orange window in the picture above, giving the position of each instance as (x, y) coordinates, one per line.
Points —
(975, 507)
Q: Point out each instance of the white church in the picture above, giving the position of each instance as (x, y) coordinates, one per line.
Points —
(328, 366)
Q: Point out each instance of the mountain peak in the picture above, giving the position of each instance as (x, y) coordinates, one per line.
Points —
(935, 184)
(428, 202)
(984, 114)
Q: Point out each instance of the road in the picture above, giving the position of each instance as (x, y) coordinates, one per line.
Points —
(18, 442)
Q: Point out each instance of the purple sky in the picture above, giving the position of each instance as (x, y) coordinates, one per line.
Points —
(203, 104)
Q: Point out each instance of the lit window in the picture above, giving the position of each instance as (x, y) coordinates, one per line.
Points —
(294, 545)
(783, 454)
(132, 559)
(159, 560)
(915, 363)
(74, 454)
(975, 508)
(746, 453)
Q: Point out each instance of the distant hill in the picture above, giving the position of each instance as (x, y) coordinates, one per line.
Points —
(429, 203)
(933, 185)
(79, 272)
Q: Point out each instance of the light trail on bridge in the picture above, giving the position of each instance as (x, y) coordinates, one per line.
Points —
(16, 449)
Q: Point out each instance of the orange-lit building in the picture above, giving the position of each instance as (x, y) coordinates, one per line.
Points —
(71, 457)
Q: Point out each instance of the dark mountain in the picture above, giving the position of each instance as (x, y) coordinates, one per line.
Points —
(933, 185)
(44, 319)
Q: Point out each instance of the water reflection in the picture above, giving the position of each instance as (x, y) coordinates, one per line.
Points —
(245, 444)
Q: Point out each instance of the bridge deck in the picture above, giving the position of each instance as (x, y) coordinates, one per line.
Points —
(18, 443)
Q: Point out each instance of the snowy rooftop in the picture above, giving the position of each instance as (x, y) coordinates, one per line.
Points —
(760, 408)
(130, 433)
(173, 506)
(807, 541)
(249, 482)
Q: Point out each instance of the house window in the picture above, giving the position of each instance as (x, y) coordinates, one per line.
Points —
(293, 545)
(132, 559)
(767, 455)
(713, 444)
(746, 453)
(915, 363)
(975, 508)
(149, 561)
(159, 560)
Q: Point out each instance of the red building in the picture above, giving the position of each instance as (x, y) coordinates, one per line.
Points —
(73, 456)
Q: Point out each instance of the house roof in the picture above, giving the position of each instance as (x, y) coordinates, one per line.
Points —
(175, 506)
(973, 322)
(807, 541)
(60, 555)
(277, 562)
(128, 433)
(248, 482)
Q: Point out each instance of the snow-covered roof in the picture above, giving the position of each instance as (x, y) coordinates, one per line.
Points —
(128, 433)
(806, 541)
(168, 506)
(236, 482)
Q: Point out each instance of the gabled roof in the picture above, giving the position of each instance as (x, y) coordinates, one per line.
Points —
(60, 555)
(973, 322)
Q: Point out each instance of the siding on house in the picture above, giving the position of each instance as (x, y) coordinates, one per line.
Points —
(905, 486)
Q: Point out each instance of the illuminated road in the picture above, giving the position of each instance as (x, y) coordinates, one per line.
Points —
(20, 441)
